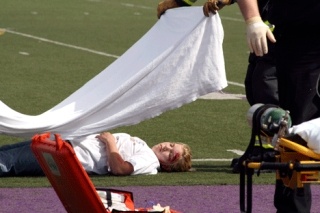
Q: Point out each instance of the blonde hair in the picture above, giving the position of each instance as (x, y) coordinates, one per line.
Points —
(183, 164)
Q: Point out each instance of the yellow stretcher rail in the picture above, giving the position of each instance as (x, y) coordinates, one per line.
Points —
(302, 162)
(295, 165)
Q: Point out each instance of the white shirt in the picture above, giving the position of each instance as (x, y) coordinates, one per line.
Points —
(91, 153)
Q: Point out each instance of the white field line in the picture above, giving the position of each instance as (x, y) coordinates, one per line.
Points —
(78, 47)
(236, 84)
(236, 151)
(231, 19)
(61, 44)
(138, 6)
(212, 160)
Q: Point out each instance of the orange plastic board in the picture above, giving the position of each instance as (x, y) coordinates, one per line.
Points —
(67, 176)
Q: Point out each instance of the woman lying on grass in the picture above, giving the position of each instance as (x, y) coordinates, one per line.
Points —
(105, 153)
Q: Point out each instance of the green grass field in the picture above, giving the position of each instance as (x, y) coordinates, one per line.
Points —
(36, 75)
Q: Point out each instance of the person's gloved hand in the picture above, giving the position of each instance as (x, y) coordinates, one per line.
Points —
(257, 34)
(214, 5)
(211, 6)
(165, 5)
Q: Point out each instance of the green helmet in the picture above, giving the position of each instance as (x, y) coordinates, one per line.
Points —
(271, 119)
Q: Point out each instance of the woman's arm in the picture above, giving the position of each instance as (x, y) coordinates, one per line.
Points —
(248, 8)
(117, 165)
(257, 30)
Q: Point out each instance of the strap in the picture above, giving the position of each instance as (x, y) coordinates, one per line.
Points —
(244, 170)
(109, 199)
(242, 190)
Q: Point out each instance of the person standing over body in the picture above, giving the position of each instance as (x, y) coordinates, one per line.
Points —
(260, 80)
(261, 84)
(297, 51)
(105, 153)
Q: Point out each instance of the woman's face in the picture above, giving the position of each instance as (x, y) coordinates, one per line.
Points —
(168, 152)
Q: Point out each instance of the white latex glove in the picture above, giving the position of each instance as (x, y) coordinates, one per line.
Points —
(257, 34)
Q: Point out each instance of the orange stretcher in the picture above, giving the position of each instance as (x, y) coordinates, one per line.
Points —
(68, 178)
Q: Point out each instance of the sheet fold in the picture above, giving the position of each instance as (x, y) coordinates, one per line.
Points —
(179, 59)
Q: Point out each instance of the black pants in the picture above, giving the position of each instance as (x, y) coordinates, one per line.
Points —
(261, 84)
(298, 69)
(287, 200)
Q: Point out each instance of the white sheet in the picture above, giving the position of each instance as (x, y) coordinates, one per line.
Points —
(310, 132)
(179, 59)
